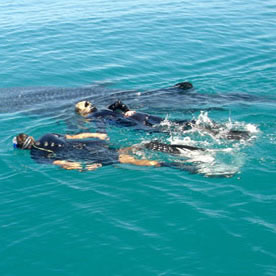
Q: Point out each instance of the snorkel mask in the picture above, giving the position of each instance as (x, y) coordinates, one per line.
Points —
(84, 108)
(93, 108)
(25, 145)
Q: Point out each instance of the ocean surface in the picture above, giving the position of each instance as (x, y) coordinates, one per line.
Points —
(122, 219)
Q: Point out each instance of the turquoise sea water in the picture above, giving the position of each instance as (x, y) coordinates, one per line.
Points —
(124, 220)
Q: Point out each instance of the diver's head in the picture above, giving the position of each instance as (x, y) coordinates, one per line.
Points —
(23, 141)
(84, 108)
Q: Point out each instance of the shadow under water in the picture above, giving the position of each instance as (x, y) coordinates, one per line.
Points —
(48, 100)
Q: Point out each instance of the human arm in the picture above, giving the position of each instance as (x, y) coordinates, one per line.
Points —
(126, 158)
(102, 136)
(71, 165)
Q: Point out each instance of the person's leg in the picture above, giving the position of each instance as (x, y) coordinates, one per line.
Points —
(128, 159)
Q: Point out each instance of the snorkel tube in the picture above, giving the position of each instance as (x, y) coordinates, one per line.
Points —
(14, 142)
(27, 143)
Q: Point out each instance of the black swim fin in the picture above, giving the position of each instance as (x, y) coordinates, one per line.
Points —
(238, 135)
(173, 149)
(118, 105)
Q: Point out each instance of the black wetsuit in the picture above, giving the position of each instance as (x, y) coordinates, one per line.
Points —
(146, 120)
(51, 147)
(105, 116)
(153, 123)
(139, 121)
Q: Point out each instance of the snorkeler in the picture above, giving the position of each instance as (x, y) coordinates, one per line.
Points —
(118, 113)
(72, 152)
(103, 116)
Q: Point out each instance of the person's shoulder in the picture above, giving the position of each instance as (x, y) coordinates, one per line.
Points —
(51, 137)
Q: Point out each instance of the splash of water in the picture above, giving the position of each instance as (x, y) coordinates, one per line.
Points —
(222, 157)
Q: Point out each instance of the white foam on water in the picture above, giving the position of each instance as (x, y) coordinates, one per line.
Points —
(222, 157)
(196, 156)
(251, 128)
(204, 119)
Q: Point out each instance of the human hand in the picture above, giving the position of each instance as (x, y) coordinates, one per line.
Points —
(68, 165)
(93, 167)
(154, 163)
(102, 136)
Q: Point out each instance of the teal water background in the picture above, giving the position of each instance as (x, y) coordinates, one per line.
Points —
(123, 220)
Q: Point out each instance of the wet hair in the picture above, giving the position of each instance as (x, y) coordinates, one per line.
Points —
(23, 141)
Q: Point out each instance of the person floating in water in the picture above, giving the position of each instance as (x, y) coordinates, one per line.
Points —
(119, 114)
(73, 152)
(89, 151)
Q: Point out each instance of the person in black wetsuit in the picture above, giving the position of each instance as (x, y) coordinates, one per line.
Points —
(103, 116)
(118, 113)
(72, 152)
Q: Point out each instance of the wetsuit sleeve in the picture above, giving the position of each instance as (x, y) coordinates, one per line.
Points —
(104, 117)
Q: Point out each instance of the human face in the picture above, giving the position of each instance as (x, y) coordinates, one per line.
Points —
(84, 108)
(23, 141)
